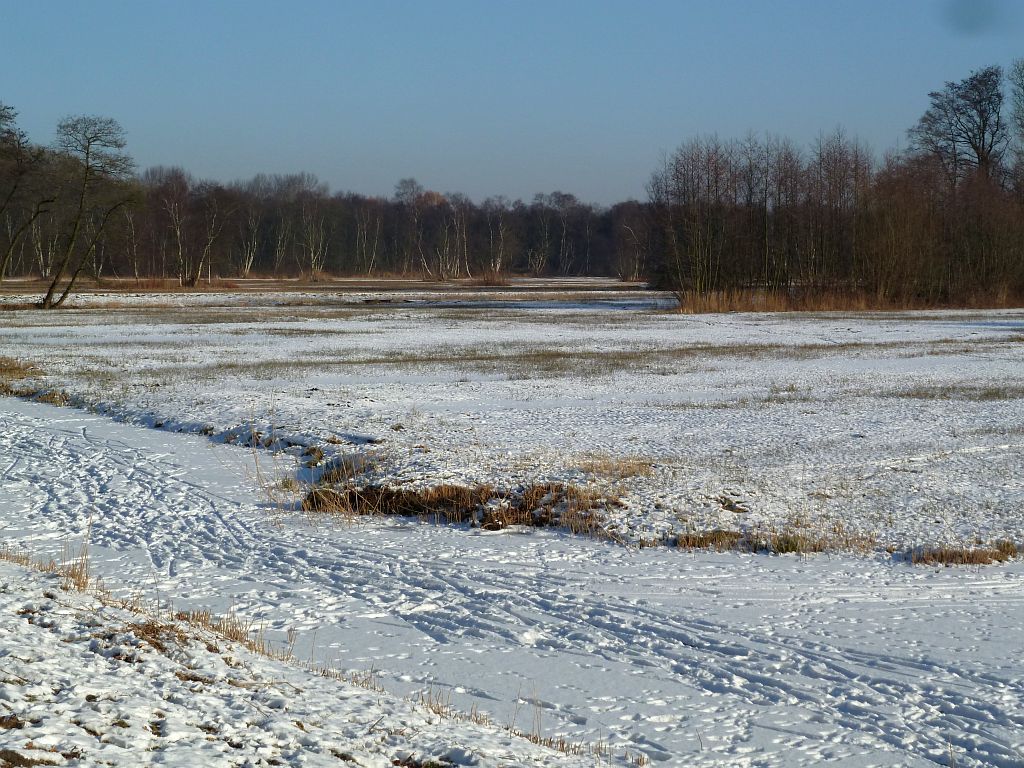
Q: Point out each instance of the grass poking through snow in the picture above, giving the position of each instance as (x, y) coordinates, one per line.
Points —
(539, 505)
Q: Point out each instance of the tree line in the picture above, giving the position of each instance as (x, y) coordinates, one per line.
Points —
(941, 222)
(78, 209)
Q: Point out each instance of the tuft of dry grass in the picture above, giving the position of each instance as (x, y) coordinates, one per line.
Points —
(75, 568)
(537, 505)
(10, 758)
(790, 539)
(11, 722)
(615, 467)
(446, 503)
(15, 370)
(54, 397)
(159, 634)
(983, 555)
(312, 456)
(960, 392)
(716, 539)
(245, 632)
(11, 373)
(345, 469)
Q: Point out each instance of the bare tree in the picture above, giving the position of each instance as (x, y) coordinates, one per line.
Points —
(1016, 78)
(217, 210)
(314, 232)
(20, 164)
(254, 196)
(95, 144)
(408, 196)
(171, 190)
(497, 213)
(964, 126)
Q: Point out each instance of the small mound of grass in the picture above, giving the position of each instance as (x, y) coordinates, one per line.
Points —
(783, 541)
(615, 467)
(997, 553)
(159, 634)
(448, 503)
(538, 505)
(54, 397)
(15, 370)
(716, 539)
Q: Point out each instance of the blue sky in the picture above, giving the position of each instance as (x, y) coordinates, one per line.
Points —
(485, 97)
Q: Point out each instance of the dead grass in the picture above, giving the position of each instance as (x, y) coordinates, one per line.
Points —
(345, 469)
(54, 397)
(442, 503)
(9, 758)
(575, 508)
(15, 370)
(716, 539)
(159, 634)
(960, 392)
(11, 722)
(73, 567)
(487, 279)
(615, 467)
(818, 300)
(982, 555)
(786, 539)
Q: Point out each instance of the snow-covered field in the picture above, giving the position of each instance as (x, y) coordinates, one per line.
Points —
(907, 428)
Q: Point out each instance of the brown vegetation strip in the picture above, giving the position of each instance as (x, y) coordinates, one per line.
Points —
(539, 506)
(997, 553)
(15, 370)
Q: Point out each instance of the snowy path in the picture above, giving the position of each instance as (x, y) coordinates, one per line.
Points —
(697, 660)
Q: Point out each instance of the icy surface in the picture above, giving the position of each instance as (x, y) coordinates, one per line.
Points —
(702, 659)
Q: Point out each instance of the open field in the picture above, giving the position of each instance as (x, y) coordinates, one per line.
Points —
(868, 436)
(895, 430)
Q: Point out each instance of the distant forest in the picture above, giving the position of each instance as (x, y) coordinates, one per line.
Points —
(938, 223)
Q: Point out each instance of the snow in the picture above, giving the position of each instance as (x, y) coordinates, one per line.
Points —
(715, 659)
(88, 683)
(748, 421)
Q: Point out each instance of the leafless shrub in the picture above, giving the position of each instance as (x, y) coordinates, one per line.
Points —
(487, 279)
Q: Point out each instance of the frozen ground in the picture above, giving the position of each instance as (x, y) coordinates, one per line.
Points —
(691, 659)
(896, 429)
(85, 683)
